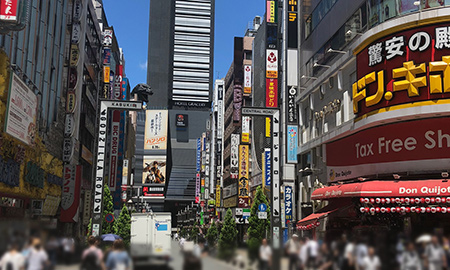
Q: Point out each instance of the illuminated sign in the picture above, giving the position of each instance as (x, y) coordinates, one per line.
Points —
(272, 93)
(403, 70)
(271, 11)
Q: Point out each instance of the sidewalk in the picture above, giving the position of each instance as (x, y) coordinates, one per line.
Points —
(241, 261)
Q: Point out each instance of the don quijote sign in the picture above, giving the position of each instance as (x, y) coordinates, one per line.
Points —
(403, 69)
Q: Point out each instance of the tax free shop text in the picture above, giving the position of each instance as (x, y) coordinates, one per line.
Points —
(383, 145)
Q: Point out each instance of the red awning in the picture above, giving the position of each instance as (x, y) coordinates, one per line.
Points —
(314, 217)
(419, 188)
(312, 220)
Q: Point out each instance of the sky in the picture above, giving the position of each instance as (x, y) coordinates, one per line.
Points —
(130, 22)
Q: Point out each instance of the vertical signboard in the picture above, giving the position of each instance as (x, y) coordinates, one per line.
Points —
(155, 137)
(272, 93)
(267, 167)
(245, 129)
(70, 199)
(220, 111)
(272, 13)
(114, 151)
(237, 103)
(217, 195)
(9, 10)
(292, 113)
(247, 80)
(288, 204)
(244, 200)
(272, 64)
(292, 139)
(21, 111)
(234, 156)
(292, 24)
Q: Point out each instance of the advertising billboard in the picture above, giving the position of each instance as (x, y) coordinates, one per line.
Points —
(246, 129)
(292, 142)
(70, 198)
(288, 193)
(156, 129)
(243, 171)
(272, 64)
(21, 111)
(247, 80)
(267, 161)
(419, 145)
(402, 70)
(234, 156)
(154, 170)
(114, 150)
(237, 103)
(272, 93)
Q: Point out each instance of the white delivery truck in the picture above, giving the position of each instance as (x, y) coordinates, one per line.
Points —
(150, 239)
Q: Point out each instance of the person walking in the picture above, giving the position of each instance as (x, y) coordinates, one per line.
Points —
(265, 256)
(118, 259)
(37, 258)
(292, 247)
(435, 257)
(92, 257)
(371, 261)
(410, 259)
(12, 259)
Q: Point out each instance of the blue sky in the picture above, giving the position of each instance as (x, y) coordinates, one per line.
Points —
(130, 22)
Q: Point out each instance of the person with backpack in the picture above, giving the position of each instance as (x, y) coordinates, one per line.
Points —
(12, 259)
(118, 259)
(92, 257)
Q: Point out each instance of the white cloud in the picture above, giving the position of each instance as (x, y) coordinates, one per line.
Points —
(143, 66)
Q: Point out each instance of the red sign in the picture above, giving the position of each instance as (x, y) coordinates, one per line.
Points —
(423, 188)
(70, 199)
(272, 93)
(403, 68)
(9, 10)
(418, 145)
(244, 202)
(202, 203)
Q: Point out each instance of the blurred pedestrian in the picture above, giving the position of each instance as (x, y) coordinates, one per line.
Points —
(37, 258)
(410, 259)
(325, 258)
(371, 261)
(92, 257)
(12, 259)
(118, 259)
(348, 260)
(265, 256)
(312, 253)
(292, 248)
(52, 248)
(68, 246)
(435, 258)
(361, 252)
(303, 254)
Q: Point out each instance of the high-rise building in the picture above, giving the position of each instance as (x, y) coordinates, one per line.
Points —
(180, 73)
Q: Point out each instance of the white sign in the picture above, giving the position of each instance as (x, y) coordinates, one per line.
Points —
(69, 125)
(262, 215)
(21, 111)
(245, 129)
(68, 194)
(276, 165)
(272, 64)
(107, 37)
(118, 86)
(239, 211)
(68, 146)
(241, 220)
(101, 147)
(95, 229)
(247, 79)
(276, 237)
(125, 172)
(76, 33)
(156, 129)
(234, 159)
(219, 119)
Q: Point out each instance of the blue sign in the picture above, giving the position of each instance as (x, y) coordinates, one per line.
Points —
(199, 151)
(109, 218)
(267, 169)
(262, 207)
(106, 56)
(292, 142)
(161, 227)
(288, 204)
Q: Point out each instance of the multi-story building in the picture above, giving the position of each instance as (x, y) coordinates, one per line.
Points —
(180, 72)
(371, 104)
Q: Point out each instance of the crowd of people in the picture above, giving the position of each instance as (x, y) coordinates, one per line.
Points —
(39, 255)
(429, 253)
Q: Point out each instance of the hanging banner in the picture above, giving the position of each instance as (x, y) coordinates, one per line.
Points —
(292, 142)
(156, 129)
(234, 156)
(70, 198)
(245, 129)
(247, 80)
